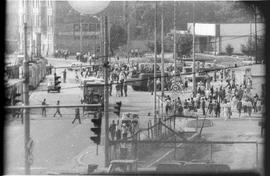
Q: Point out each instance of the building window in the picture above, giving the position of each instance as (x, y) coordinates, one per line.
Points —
(76, 27)
(85, 27)
(49, 3)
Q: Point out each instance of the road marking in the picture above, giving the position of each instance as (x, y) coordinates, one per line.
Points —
(166, 154)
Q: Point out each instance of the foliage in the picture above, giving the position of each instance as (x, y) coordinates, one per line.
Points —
(184, 45)
(118, 37)
(250, 48)
(229, 49)
(151, 46)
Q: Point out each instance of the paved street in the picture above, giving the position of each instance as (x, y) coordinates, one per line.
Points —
(62, 146)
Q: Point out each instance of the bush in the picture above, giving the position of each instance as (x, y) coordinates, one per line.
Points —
(229, 49)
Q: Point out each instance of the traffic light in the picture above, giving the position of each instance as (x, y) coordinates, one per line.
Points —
(96, 129)
(16, 98)
(117, 108)
(56, 80)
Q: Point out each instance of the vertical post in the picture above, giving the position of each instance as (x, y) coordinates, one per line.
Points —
(256, 59)
(162, 58)
(106, 103)
(174, 40)
(175, 147)
(80, 33)
(257, 155)
(211, 151)
(95, 38)
(155, 71)
(26, 103)
(101, 36)
(193, 69)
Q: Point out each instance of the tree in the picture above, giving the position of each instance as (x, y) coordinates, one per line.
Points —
(250, 49)
(184, 45)
(151, 46)
(118, 37)
(229, 49)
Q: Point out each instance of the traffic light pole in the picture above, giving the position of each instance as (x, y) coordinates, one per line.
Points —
(106, 93)
(26, 102)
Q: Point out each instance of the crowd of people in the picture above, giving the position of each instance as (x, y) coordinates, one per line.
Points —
(120, 130)
(62, 53)
(219, 98)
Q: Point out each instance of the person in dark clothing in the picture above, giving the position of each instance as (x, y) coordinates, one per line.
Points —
(77, 116)
(239, 107)
(210, 107)
(185, 104)
(217, 108)
(64, 75)
(121, 86)
(44, 109)
(192, 104)
(110, 87)
(125, 87)
(57, 110)
(112, 129)
(203, 106)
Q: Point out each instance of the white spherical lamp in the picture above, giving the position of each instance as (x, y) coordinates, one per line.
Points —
(88, 7)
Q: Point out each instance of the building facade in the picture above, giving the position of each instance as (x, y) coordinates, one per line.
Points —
(39, 15)
(214, 38)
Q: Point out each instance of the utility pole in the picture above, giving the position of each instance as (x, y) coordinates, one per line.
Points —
(127, 26)
(256, 59)
(174, 40)
(155, 72)
(96, 27)
(26, 102)
(101, 37)
(162, 58)
(80, 33)
(106, 103)
(193, 69)
(26, 94)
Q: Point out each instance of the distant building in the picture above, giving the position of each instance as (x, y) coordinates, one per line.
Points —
(56, 25)
(214, 38)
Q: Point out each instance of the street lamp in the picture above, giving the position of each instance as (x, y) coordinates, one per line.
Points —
(92, 8)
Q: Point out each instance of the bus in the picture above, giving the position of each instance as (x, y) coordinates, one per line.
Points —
(93, 93)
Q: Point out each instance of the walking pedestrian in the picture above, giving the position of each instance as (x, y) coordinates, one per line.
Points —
(118, 89)
(217, 109)
(249, 107)
(112, 129)
(43, 108)
(210, 108)
(57, 110)
(239, 107)
(125, 87)
(118, 131)
(110, 87)
(124, 131)
(64, 75)
(203, 106)
(77, 115)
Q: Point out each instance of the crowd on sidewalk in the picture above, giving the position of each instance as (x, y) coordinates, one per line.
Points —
(219, 98)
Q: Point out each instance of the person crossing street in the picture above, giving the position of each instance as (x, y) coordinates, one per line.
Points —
(44, 109)
(77, 115)
(57, 110)
(64, 75)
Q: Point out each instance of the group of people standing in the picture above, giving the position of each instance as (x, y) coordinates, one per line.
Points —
(220, 99)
